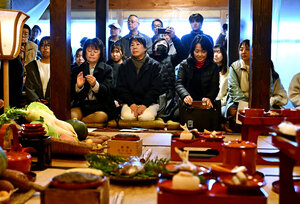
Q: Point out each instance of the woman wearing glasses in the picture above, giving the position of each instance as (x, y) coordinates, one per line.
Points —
(91, 85)
(37, 85)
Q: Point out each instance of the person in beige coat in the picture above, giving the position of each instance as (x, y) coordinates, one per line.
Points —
(29, 49)
(294, 91)
(278, 96)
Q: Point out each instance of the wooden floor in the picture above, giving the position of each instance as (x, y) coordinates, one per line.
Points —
(160, 145)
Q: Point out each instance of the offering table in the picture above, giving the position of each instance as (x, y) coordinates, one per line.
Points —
(147, 194)
(289, 154)
(256, 122)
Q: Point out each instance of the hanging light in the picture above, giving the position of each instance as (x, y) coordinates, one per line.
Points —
(11, 25)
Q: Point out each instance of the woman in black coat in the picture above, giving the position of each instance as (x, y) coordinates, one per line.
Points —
(198, 75)
(139, 84)
(91, 85)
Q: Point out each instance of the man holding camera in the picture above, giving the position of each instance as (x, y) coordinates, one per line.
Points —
(133, 25)
(156, 24)
(160, 32)
(196, 21)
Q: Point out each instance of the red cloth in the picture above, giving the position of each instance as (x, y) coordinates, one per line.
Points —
(199, 64)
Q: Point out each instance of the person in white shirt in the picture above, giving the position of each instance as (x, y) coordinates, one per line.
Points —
(37, 85)
(220, 57)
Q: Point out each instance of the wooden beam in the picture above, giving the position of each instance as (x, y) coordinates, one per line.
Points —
(101, 18)
(60, 61)
(234, 30)
(149, 4)
(261, 49)
(6, 4)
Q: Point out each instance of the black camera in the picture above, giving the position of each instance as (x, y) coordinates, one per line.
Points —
(161, 30)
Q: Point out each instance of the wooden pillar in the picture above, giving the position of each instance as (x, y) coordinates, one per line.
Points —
(5, 83)
(101, 18)
(261, 58)
(234, 7)
(60, 62)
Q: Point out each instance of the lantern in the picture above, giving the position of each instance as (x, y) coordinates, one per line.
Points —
(11, 25)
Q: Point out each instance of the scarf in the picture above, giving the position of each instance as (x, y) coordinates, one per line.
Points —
(199, 64)
(245, 79)
(139, 63)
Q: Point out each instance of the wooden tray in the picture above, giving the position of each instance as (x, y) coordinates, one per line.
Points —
(214, 146)
(216, 195)
(65, 147)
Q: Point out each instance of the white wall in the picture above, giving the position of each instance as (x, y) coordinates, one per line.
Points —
(286, 39)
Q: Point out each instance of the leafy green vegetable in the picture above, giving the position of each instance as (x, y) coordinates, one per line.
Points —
(107, 163)
(12, 113)
(36, 110)
(40, 106)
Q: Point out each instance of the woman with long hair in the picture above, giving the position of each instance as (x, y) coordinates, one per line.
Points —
(238, 84)
(198, 75)
(220, 58)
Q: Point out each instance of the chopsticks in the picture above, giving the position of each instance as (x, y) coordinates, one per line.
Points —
(118, 198)
(226, 170)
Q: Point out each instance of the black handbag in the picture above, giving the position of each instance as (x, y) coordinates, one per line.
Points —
(167, 107)
(200, 118)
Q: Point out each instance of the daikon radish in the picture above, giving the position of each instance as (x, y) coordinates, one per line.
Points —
(185, 181)
(62, 127)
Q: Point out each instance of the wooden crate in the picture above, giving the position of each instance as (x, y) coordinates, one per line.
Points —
(125, 148)
(99, 195)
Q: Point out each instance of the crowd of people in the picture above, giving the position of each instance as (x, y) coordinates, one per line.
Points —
(144, 78)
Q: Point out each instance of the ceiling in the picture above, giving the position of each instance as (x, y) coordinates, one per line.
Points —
(26, 5)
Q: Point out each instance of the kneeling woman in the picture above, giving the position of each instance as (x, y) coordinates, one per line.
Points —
(198, 75)
(91, 85)
(139, 84)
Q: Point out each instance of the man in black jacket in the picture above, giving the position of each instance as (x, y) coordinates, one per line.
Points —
(16, 75)
(196, 21)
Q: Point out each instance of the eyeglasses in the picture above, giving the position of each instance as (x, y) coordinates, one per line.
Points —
(45, 45)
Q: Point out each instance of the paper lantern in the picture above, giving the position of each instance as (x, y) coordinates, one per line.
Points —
(11, 25)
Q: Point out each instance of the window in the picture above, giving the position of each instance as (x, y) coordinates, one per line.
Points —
(86, 28)
(211, 27)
